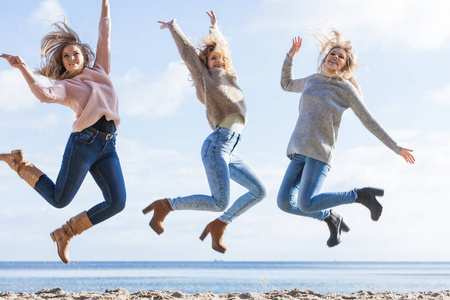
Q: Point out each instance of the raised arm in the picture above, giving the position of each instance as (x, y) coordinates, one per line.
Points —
(103, 54)
(288, 82)
(18, 63)
(187, 50)
(105, 9)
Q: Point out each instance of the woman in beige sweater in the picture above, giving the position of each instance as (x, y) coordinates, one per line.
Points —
(89, 92)
(217, 88)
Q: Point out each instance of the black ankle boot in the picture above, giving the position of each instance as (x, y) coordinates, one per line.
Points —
(366, 197)
(336, 225)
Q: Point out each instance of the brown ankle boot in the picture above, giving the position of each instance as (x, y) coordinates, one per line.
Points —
(216, 228)
(63, 235)
(26, 170)
(14, 159)
(161, 209)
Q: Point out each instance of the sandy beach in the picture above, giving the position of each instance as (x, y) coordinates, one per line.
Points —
(122, 294)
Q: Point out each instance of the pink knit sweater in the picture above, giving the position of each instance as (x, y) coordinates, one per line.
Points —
(90, 94)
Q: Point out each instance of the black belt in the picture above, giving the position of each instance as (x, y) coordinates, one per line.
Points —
(106, 136)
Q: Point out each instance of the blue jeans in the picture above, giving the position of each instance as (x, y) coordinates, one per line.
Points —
(87, 152)
(299, 191)
(222, 163)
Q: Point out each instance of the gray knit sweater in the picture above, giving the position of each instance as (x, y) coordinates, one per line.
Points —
(216, 88)
(322, 103)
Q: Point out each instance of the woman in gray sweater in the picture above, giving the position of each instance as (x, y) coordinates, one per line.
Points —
(217, 88)
(325, 96)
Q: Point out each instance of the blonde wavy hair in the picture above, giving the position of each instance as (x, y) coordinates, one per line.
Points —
(221, 46)
(327, 42)
(52, 46)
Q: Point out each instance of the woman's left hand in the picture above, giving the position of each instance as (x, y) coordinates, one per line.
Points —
(406, 154)
(212, 17)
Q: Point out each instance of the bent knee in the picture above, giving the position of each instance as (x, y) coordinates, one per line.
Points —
(283, 203)
(118, 205)
(221, 204)
(305, 207)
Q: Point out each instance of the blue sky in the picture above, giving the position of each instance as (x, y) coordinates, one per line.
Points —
(402, 47)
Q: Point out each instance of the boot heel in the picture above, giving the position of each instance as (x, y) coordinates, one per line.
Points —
(344, 227)
(147, 209)
(377, 192)
(204, 234)
(52, 235)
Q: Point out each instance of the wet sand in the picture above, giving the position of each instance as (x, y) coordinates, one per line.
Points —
(122, 294)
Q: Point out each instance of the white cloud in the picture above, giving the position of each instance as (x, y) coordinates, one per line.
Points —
(389, 24)
(49, 10)
(440, 96)
(160, 96)
(15, 94)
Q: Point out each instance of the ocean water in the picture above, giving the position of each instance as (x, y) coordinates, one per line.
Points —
(224, 277)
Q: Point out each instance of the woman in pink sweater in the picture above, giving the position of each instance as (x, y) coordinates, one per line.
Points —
(89, 92)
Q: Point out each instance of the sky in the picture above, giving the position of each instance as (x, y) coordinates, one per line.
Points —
(402, 49)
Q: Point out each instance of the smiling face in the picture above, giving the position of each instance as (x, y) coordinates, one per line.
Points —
(215, 61)
(335, 60)
(73, 58)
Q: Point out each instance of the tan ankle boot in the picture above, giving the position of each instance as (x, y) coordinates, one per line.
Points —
(161, 209)
(63, 235)
(216, 228)
(27, 171)
(14, 159)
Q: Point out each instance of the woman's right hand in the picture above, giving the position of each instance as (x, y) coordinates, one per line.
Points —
(166, 24)
(19, 63)
(14, 61)
(296, 45)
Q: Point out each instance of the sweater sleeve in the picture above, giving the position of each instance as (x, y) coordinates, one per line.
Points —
(216, 35)
(187, 51)
(288, 82)
(103, 55)
(366, 118)
(54, 94)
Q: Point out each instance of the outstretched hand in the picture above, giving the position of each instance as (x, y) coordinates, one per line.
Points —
(165, 24)
(14, 61)
(212, 17)
(296, 45)
(406, 154)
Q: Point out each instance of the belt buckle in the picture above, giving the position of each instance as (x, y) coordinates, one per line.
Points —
(109, 136)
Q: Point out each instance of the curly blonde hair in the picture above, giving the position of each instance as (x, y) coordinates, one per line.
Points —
(327, 42)
(210, 44)
(52, 46)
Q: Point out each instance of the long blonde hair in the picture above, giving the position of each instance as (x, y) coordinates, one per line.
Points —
(221, 46)
(52, 46)
(327, 42)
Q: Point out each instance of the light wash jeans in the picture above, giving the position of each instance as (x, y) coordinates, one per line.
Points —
(86, 152)
(299, 191)
(222, 163)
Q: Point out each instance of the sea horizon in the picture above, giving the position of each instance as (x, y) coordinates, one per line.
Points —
(221, 276)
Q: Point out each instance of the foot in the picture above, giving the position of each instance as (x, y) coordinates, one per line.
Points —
(13, 159)
(335, 225)
(217, 229)
(366, 197)
(161, 209)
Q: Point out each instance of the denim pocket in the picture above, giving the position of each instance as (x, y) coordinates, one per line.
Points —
(85, 137)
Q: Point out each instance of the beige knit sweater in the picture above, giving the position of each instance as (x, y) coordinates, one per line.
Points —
(90, 94)
(217, 89)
